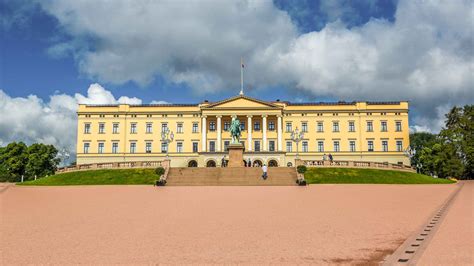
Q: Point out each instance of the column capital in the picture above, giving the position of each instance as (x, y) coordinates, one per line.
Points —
(219, 116)
(279, 115)
(233, 116)
(264, 115)
(249, 116)
(204, 116)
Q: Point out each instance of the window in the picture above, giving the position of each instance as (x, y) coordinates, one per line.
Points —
(179, 127)
(271, 125)
(101, 147)
(383, 126)
(399, 145)
(179, 147)
(86, 147)
(87, 128)
(288, 127)
(195, 128)
(226, 145)
(289, 146)
(226, 126)
(305, 146)
(164, 127)
(336, 145)
(384, 145)
(101, 128)
(352, 146)
(304, 126)
(320, 146)
(256, 145)
(370, 126)
(149, 127)
(212, 126)
(335, 126)
(212, 146)
(398, 126)
(115, 147)
(370, 145)
(164, 147)
(242, 125)
(271, 145)
(133, 128)
(256, 126)
(133, 147)
(195, 147)
(352, 126)
(148, 147)
(320, 127)
(115, 128)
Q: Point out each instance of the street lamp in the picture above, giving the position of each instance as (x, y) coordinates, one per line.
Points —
(297, 136)
(167, 137)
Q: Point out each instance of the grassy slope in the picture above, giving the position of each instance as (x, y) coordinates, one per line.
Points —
(98, 177)
(367, 176)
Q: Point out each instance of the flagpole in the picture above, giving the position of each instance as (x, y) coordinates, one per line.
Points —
(241, 77)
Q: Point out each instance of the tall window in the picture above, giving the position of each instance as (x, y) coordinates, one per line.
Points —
(115, 128)
(148, 147)
(352, 127)
(271, 125)
(289, 146)
(195, 147)
(320, 126)
(399, 145)
(304, 126)
(383, 126)
(226, 145)
(212, 126)
(288, 127)
(352, 146)
(226, 126)
(101, 147)
(179, 147)
(336, 145)
(195, 128)
(115, 147)
(320, 146)
(242, 125)
(305, 146)
(256, 126)
(164, 147)
(133, 147)
(164, 127)
(149, 127)
(179, 127)
(212, 146)
(86, 147)
(370, 145)
(335, 126)
(370, 126)
(384, 145)
(271, 145)
(87, 128)
(257, 145)
(398, 126)
(133, 128)
(101, 128)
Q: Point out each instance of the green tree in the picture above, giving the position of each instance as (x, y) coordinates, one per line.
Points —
(419, 141)
(42, 160)
(14, 158)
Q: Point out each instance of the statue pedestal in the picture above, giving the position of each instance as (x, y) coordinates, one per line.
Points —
(236, 155)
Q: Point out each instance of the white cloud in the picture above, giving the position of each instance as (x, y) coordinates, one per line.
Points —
(425, 56)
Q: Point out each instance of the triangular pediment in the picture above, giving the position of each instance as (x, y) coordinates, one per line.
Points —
(242, 101)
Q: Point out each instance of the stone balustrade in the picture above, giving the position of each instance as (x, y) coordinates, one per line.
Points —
(117, 165)
(357, 164)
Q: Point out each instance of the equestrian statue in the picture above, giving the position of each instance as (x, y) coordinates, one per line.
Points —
(235, 131)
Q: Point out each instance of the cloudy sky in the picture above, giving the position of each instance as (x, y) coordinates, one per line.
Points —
(57, 53)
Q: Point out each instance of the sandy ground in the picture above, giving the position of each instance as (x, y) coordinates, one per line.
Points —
(317, 224)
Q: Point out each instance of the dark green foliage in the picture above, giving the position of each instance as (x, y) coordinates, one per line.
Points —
(301, 169)
(159, 171)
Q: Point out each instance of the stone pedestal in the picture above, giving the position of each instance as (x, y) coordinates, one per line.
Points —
(236, 155)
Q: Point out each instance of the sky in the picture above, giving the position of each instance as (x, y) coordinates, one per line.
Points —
(55, 54)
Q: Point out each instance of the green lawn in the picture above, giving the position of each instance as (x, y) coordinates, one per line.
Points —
(367, 176)
(98, 177)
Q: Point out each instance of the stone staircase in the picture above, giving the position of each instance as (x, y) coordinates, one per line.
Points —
(231, 176)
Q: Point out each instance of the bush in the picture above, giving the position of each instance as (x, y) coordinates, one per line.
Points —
(160, 171)
(301, 169)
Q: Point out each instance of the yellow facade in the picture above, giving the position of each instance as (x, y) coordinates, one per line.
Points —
(117, 133)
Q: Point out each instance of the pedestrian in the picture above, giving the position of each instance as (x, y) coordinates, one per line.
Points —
(249, 163)
(330, 158)
(223, 161)
(264, 169)
(324, 157)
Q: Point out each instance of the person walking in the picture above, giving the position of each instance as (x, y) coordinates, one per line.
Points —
(330, 158)
(324, 157)
(264, 169)
(223, 161)
(249, 163)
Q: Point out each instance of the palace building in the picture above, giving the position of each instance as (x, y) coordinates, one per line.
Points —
(198, 134)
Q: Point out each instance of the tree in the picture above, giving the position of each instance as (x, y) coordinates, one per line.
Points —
(14, 158)
(42, 160)
(418, 141)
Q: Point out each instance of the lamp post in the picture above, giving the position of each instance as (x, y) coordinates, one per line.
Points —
(167, 137)
(297, 136)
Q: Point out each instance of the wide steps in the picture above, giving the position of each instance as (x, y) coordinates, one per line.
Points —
(238, 176)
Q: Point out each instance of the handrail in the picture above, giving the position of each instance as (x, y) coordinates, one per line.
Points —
(358, 164)
(115, 165)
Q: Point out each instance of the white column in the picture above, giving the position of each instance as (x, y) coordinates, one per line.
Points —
(279, 125)
(264, 132)
(219, 133)
(249, 133)
(203, 134)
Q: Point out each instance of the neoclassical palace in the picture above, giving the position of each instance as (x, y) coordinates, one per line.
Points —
(198, 134)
